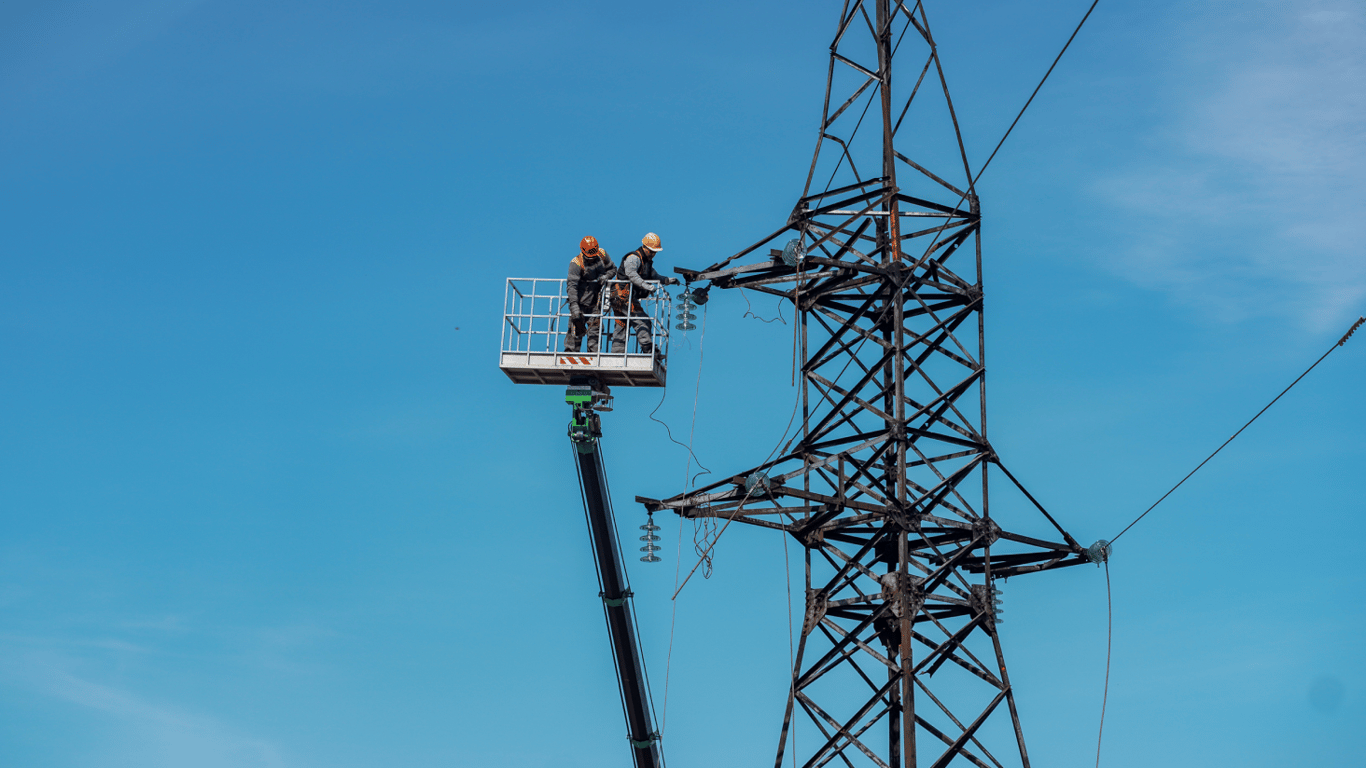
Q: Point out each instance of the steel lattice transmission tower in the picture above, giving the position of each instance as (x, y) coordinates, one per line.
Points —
(885, 484)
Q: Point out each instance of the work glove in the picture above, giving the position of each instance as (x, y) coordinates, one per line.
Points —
(604, 278)
(575, 312)
(670, 281)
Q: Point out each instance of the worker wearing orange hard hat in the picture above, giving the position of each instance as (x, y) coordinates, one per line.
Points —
(589, 271)
(638, 269)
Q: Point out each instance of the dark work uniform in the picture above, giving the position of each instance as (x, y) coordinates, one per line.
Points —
(637, 267)
(585, 293)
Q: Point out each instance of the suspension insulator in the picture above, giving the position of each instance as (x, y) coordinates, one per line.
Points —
(650, 538)
(1099, 552)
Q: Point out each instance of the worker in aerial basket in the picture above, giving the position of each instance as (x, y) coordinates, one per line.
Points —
(588, 273)
(638, 269)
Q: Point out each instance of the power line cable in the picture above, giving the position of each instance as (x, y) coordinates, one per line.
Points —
(1340, 342)
(1109, 605)
(972, 182)
(1109, 633)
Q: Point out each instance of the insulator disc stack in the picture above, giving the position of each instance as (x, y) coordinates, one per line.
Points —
(650, 538)
(685, 315)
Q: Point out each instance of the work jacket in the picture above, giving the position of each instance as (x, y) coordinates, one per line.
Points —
(638, 267)
(584, 287)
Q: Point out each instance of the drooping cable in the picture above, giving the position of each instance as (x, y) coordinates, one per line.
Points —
(745, 500)
(749, 312)
(797, 401)
(791, 647)
(1109, 634)
(670, 433)
(673, 617)
(1109, 605)
(689, 481)
(1340, 342)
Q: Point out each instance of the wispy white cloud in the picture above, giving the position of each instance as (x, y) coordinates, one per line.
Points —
(150, 734)
(1254, 204)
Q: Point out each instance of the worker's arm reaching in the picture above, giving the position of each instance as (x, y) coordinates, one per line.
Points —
(632, 267)
(638, 272)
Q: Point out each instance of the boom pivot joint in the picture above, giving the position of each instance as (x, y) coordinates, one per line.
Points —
(587, 396)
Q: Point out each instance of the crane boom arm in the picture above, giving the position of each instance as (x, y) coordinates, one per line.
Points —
(584, 432)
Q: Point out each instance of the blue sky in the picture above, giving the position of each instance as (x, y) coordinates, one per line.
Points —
(262, 504)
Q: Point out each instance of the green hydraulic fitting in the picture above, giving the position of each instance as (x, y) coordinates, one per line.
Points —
(578, 395)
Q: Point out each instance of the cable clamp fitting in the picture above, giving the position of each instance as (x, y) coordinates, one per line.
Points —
(1099, 552)
(616, 602)
(1351, 330)
(652, 738)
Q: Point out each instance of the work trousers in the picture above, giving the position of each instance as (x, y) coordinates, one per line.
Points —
(585, 325)
(633, 315)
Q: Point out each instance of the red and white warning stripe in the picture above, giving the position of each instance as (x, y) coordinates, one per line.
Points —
(575, 360)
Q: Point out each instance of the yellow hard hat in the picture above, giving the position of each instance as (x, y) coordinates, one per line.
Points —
(651, 241)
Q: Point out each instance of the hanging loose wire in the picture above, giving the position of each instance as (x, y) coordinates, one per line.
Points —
(670, 433)
(1340, 342)
(785, 447)
(791, 648)
(706, 527)
(750, 311)
(673, 618)
(1109, 605)
(1109, 633)
(689, 481)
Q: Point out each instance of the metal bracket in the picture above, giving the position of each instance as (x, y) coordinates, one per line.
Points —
(652, 738)
(1099, 552)
(616, 602)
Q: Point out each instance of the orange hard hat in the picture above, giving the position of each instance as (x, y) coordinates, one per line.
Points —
(588, 244)
(651, 241)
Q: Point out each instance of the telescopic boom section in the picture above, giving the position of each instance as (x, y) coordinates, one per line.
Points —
(587, 397)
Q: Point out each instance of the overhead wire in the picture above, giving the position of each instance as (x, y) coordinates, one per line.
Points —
(1109, 601)
(1109, 604)
(971, 190)
(1339, 343)
(972, 181)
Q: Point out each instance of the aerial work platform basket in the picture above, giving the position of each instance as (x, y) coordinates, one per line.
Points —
(536, 321)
